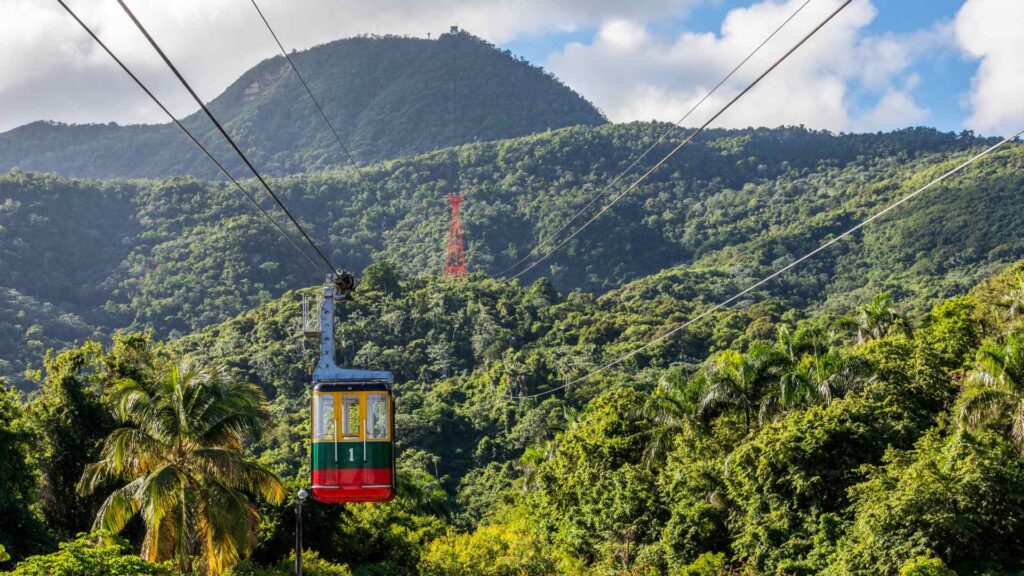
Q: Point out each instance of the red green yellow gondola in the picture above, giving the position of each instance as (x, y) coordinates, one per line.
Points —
(352, 454)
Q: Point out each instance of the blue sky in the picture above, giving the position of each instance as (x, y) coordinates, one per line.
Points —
(943, 77)
(879, 65)
(946, 74)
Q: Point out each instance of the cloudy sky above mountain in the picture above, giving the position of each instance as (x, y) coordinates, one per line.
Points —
(878, 65)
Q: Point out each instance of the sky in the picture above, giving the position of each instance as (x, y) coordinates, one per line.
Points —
(878, 65)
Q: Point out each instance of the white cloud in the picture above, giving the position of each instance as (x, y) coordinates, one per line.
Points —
(896, 107)
(52, 70)
(633, 74)
(991, 30)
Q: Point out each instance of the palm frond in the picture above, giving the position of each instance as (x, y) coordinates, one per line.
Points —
(119, 508)
(161, 492)
(982, 403)
(230, 469)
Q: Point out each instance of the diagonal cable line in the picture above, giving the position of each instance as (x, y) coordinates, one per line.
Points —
(686, 141)
(224, 132)
(660, 139)
(785, 268)
(323, 114)
(191, 136)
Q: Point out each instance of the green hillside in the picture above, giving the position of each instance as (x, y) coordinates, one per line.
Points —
(387, 97)
(767, 439)
(84, 257)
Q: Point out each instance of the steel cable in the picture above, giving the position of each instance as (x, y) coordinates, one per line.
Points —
(688, 139)
(224, 132)
(782, 270)
(191, 136)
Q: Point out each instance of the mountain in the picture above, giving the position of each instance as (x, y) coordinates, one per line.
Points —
(84, 257)
(387, 97)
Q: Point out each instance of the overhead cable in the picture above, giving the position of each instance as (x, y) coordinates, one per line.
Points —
(664, 135)
(782, 270)
(687, 140)
(316, 103)
(191, 136)
(224, 133)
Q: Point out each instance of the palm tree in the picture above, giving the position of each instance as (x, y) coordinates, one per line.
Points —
(878, 318)
(819, 378)
(742, 380)
(1015, 299)
(180, 455)
(807, 338)
(997, 386)
(670, 409)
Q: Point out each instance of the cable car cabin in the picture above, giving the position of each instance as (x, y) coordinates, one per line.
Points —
(353, 456)
(352, 450)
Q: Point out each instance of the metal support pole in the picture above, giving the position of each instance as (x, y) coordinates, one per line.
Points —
(302, 495)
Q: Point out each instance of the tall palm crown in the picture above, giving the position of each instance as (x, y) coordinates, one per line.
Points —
(878, 318)
(1015, 299)
(819, 378)
(670, 409)
(742, 380)
(180, 454)
(997, 386)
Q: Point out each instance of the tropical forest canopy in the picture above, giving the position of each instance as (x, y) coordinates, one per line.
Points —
(769, 439)
(83, 258)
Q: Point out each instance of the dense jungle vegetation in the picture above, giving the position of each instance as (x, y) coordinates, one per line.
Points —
(862, 415)
(82, 258)
(766, 439)
(387, 97)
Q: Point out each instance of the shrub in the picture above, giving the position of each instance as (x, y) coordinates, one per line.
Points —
(925, 566)
(91, 555)
(707, 564)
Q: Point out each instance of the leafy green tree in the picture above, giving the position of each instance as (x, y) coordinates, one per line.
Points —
(693, 485)
(954, 330)
(595, 487)
(20, 528)
(707, 564)
(69, 421)
(997, 386)
(879, 317)
(786, 482)
(381, 277)
(1014, 300)
(958, 496)
(806, 338)
(181, 456)
(312, 565)
(743, 381)
(92, 555)
(512, 548)
(926, 566)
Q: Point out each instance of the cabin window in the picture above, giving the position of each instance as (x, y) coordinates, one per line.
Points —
(377, 416)
(351, 418)
(323, 417)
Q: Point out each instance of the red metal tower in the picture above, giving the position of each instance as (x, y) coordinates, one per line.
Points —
(455, 262)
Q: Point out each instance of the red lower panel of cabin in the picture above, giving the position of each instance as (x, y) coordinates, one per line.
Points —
(353, 485)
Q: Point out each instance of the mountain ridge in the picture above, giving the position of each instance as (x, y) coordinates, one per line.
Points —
(388, 96)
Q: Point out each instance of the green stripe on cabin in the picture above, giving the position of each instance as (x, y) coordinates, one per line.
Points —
(350, 455)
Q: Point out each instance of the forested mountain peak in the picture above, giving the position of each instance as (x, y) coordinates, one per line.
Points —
(387, 96)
